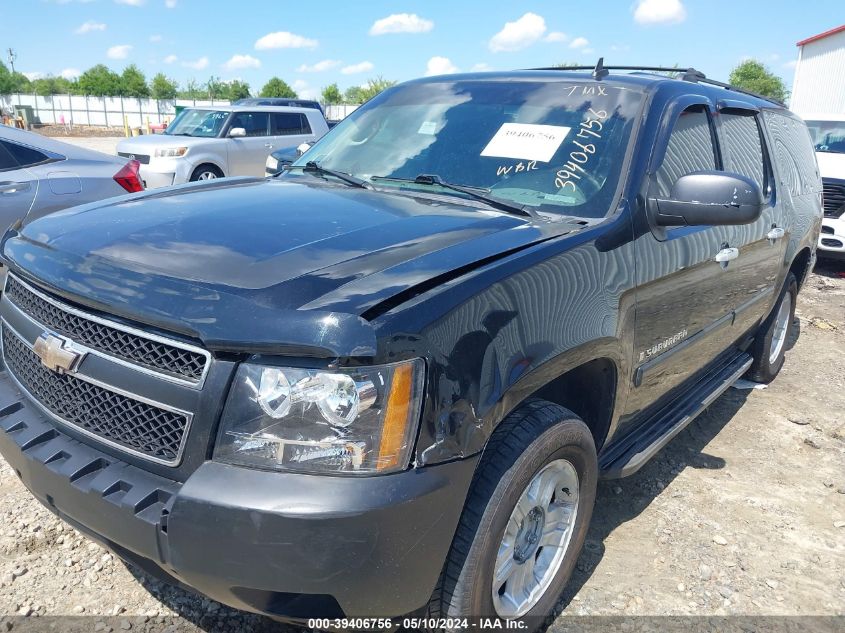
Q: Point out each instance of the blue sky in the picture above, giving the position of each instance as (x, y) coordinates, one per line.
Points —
(311, 44)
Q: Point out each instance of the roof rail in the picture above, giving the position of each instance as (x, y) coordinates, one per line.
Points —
(600, 71)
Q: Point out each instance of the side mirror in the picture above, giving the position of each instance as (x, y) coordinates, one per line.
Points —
(302, 148)
(237, 132)
(709, 198)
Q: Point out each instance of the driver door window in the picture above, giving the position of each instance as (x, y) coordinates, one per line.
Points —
(690, 148)
(253, 123)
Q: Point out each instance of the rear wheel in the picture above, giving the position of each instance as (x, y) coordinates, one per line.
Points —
(769, 345)
(206, 172)
(525, 519)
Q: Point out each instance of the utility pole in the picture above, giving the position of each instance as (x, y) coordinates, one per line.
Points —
(12, 57)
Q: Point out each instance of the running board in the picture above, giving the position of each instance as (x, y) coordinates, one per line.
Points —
(631, 452)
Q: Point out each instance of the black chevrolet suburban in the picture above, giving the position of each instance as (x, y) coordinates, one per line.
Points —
(387, 381)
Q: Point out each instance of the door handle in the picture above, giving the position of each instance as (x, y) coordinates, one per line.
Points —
(726, 255)
(13, 187)
(775, 234)
(268, 145)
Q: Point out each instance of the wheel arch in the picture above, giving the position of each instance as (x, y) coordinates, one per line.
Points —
(800, 266)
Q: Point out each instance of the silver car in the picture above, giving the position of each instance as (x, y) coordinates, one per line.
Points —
(39, 175)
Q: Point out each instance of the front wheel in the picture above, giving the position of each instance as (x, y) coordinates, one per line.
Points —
(769, 345)
(525, 519)
(206, 172)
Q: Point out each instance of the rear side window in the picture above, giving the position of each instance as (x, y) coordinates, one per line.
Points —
(289, 124)
(7, 161)
(690, 149)
(25, 156)
(793, 151)
(742, 148)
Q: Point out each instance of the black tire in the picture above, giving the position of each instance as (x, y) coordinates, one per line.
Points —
(206, 172)
(764, 369)
(533, 436)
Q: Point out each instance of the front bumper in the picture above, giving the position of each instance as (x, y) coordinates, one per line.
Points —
(282, 544)
(832, 237)
(164, 172)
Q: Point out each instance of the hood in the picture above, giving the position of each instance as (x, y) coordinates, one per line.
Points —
(250, 265)
(148, 143)
(831, 165)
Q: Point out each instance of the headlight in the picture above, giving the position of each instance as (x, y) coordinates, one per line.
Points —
(353, 421)
(272, 163)
(170, 152)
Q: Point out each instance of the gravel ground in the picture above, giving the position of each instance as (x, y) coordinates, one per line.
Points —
(105, 144)
(742, 514)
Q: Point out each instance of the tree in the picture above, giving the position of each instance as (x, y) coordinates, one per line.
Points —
(277, 88)
(754, 76)
(374, 87)
(237, 89)
(354, 94)
(133, 83)
(11, 82)
(192, 91)
(99, 81)
(331, 94)
(216, 89)
(163, 88)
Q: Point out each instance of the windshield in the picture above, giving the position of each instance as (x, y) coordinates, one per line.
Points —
(204, 123)
(828, 136)
(545, 145)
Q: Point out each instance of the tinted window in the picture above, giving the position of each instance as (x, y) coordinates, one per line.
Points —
(793, 152)
(25, 156)
(7, 161)
(828, 136)
(742, 148)
(286, 124)
(690, 149)
(254, 123)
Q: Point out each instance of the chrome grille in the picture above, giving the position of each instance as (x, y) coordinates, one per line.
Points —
(188, 364)
(833, 194)
(130, 424)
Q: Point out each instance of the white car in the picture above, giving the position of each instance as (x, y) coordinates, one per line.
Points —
(213, 142)
(828, 132)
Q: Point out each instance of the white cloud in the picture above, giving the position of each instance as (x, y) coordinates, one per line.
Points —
(90, 26)
(363, 67)
(304, 90)
(170, 4)
(791, 64)
(480, 67)
(518, 35)
(155, 39)
(659, 12)
(237, 62)
(555, 36)
(440, 66)
(319, 67)
(171, 59)
(401, 23)
(197, 64)
(33, 76)
(284, 39)
(132, 3)
(579, 42)
(121, 51)
(70, 73)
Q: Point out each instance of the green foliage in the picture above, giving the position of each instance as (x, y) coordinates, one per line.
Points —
(163, 88)
(752, 75)
(354, 94)
(133, 83)
(237, 90)
(13, 82)
(192, 91)
(331, 94)
(99, 81)
(277, 88)
(375, 86)
(50, 85)
(216, 89)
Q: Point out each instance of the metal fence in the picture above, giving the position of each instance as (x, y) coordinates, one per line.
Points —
(110, 111)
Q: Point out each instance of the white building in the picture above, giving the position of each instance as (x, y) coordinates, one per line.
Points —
(819, 84)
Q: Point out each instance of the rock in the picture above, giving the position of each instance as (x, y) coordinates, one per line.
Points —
(720, 540)
(681, 587)
(79, 609)
(125, 625)
(24, 611)
(838, 524)
(725, 592)
(811, 442)
(704, 572)
(798, 420)
(772, 583)
(828, 484)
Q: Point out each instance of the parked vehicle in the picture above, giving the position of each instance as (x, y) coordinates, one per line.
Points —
(279, 101)
(387, 381)
(281, 158)
(209, 143)
(828, 134)
(39, 175)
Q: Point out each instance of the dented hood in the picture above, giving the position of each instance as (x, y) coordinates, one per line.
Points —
(260, 265)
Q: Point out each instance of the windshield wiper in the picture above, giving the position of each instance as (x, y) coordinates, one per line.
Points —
(433, 179)
(349, 179)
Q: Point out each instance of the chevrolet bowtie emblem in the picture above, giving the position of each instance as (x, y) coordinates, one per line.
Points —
(54, 355)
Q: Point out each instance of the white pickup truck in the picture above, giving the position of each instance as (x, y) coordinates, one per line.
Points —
(213, 142)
